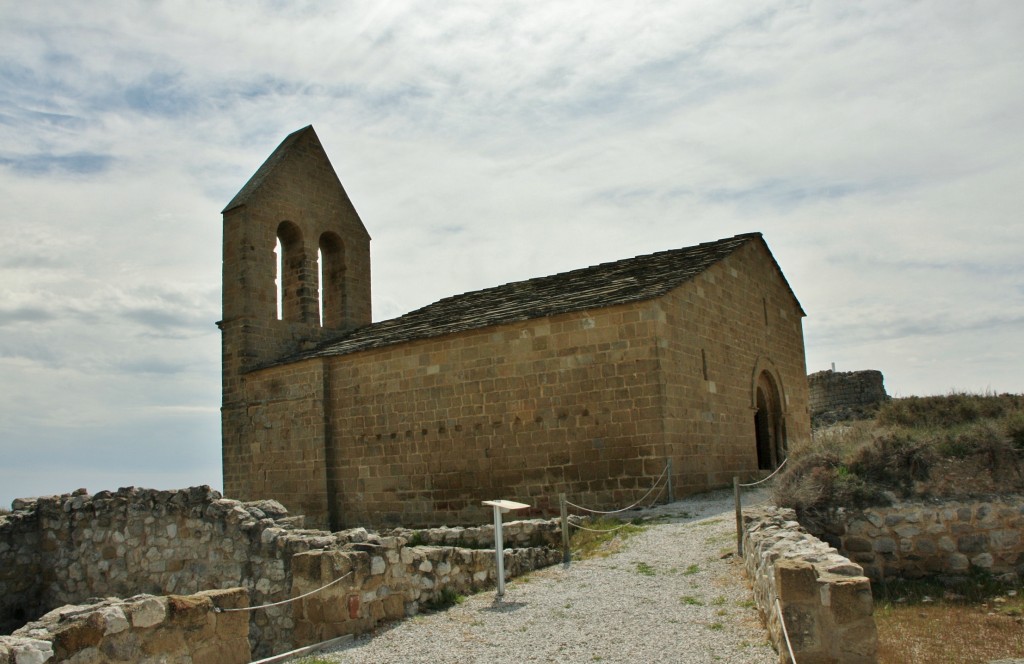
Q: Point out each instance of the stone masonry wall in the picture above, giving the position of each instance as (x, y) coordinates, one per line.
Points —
(174, 630)
(825, 600)
(385, 580)
(421, 432)
(587, 403)
(718, 334)
(845, 393)
(60, 550)
(918, 539)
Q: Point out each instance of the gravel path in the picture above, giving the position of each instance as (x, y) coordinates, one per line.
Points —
(667, 595)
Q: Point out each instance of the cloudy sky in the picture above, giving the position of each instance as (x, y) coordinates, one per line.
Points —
(879, 146)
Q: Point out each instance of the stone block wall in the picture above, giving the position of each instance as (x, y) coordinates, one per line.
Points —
(421, 432)
(386, 580)
(59, 550)
(175, 629)
(718, 334)
(845, 394)
(278, 436)
(587, 403)
(913, 540)
(825, 599)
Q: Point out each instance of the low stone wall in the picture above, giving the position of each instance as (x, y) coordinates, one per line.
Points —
(58, 550)
(388, 581)
(525, 533)
(913, 540)
(825, 600)
(179, 629)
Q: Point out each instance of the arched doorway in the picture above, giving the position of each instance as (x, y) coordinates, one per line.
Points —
(769, 425)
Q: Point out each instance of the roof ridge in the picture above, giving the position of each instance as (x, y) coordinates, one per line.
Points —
(632, 279)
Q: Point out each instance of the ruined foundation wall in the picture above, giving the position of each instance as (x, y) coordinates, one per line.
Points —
(179, 629)
(913, 540)
(59, 550)
(824, 598)
(845, 395)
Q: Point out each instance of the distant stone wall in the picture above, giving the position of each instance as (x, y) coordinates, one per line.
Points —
(824, 598)
(180, 629)
(845, 395)
(59, 550)
(913, 540)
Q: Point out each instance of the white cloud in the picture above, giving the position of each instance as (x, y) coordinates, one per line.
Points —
(878, 147)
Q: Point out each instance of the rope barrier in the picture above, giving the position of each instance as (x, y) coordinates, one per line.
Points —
(642, 499)
(774, 473)
(600, 530)
(785, 632)
(285, 601)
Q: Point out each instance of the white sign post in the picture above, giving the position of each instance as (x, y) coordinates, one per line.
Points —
(501, 506)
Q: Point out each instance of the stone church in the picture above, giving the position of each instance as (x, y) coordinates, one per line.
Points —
(586, 382)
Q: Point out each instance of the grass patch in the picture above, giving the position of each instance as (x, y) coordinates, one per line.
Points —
(980, 620)
(610, 538)
(691, 570)
(690, 600)
(716, 626)
(645, 569)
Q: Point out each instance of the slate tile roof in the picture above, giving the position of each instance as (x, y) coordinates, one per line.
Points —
(607, 284)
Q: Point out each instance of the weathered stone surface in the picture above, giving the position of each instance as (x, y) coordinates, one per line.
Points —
(174, 542)
(914, 540)
(825, 601)
(102, 632)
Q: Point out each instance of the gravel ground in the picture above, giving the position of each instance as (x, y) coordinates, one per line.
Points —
(667, 595)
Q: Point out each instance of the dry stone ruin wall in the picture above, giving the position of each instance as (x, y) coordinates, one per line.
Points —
(809, 596)
(913, 540)
(204, 628)
(845, 395)
(61, 550)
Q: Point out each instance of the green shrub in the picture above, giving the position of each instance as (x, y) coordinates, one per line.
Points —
(1014, 428)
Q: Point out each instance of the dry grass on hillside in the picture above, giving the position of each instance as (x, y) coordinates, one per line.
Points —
(919, 447)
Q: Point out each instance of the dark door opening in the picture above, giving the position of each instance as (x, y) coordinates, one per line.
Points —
(769, 429)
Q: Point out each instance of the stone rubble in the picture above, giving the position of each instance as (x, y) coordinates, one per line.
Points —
(59, 550)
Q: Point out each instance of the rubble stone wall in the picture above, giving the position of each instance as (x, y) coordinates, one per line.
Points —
(179, 629)
(388, 581)
(59, 550)
(846, 393)
(914, 540)
(825, 600)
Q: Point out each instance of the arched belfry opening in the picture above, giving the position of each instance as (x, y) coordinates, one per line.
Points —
(290, 262)
(769, 423)
(333, 296)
